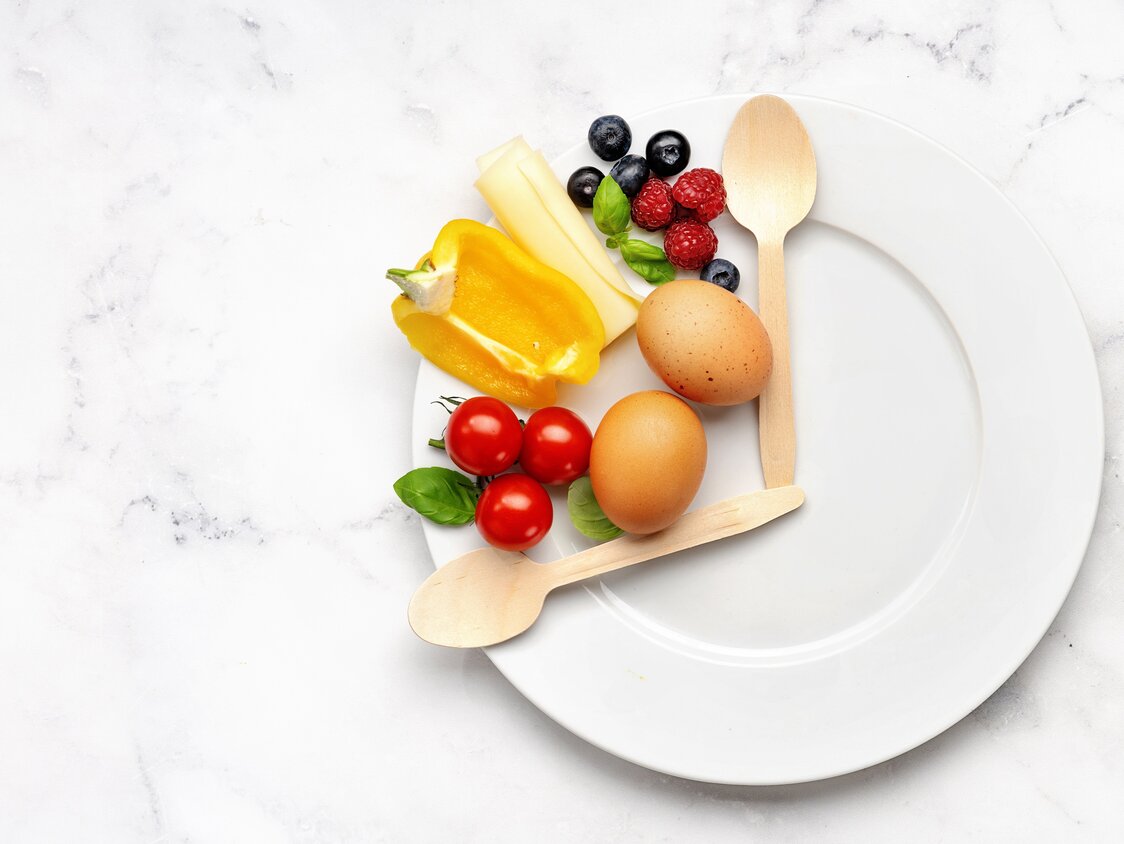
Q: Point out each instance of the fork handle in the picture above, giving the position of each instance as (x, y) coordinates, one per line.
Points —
(715, 521)
(776, 424)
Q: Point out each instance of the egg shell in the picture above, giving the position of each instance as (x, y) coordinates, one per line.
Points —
(704, 342)
(647, 460)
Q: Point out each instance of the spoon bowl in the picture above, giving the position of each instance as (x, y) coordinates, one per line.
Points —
(769, 168)
(480, 598)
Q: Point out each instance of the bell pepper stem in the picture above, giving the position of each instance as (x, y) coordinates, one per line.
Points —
(430, 288)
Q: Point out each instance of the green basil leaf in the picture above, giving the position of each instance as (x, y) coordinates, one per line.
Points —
(614, 241)
(647, 261)
(441, 495)
(611, 211)
(640, 250)
(586, 513)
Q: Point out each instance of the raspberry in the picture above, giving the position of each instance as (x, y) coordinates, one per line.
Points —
(702, 190)
(653, 207)
(689, 244)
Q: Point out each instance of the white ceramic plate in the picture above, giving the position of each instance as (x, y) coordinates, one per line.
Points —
(950, 441)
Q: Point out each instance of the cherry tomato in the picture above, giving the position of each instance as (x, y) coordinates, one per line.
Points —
(514, 512)
(483, 436)
(556, 445)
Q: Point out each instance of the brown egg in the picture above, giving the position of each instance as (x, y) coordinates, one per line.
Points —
(647, 461)
(704, 342)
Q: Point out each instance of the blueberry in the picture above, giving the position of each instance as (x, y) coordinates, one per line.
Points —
(668, 152)
(582, 185)
(723, 273)
(609, 137)
(631, 172)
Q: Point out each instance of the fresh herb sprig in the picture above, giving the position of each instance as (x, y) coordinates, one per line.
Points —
(441, 495)
(586, 513)
(612, 216)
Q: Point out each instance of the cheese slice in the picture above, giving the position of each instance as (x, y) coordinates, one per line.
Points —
(532, 205)
(570, 219)
(489, 158)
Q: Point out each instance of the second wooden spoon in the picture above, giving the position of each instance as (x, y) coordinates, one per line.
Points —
(486, 596)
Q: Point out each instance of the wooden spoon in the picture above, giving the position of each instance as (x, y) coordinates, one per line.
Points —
(487, 596)
(770, 174)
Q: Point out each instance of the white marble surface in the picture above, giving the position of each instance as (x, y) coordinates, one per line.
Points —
(204, 568)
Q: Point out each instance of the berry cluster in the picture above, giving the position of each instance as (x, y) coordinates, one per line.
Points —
(684, 208)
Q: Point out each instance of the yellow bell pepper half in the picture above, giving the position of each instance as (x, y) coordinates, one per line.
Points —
(485, 311)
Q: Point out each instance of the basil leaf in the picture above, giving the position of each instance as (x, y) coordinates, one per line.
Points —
(441, 495)
(615, 240)
(640, 250)
(586, 513)
(647, 261)
(611, 211)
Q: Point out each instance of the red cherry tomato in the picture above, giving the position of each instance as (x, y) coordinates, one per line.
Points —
(556, 445)
(483, 436)
(514, 512)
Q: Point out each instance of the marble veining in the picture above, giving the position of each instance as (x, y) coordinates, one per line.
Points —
(205, 571)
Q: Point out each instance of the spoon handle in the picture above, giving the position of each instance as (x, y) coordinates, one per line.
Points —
(776, 424)
(716, 521)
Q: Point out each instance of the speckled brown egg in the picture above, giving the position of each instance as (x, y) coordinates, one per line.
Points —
(647, 460)
(704, 342)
